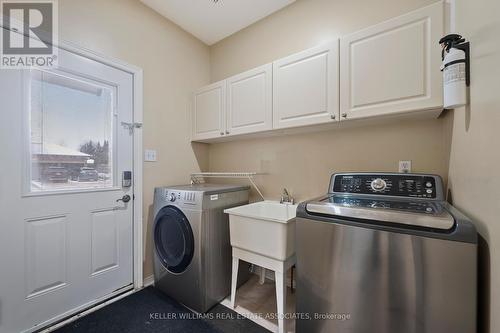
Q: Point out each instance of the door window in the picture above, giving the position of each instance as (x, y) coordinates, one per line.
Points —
(71, 132)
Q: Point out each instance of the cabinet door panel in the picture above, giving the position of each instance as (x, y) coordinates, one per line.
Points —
(306, 87)
(208, 114)
(249, 101)
(393, 67)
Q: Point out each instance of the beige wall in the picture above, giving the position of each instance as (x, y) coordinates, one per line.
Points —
(475, 151)
(304, 162)
(174, 64)
(303, 24)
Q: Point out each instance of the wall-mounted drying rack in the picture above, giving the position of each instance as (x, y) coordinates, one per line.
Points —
(197, 178)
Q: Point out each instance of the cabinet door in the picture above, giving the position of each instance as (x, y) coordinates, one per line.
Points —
(305, 87)
(249, 101)
(209, 107)
(393, 67)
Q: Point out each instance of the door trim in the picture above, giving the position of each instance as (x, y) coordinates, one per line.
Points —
(137, 75)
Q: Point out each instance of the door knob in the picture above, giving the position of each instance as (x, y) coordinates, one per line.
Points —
(126, 198)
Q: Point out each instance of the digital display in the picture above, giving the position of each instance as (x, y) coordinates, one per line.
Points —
(346, 181)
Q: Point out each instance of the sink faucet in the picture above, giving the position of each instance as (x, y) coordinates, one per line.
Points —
(286, 197)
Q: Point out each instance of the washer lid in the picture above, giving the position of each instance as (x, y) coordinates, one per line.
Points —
(424, 214)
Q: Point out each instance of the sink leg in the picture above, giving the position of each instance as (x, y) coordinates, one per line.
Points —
(234, 280)
(262, 276)
(281, 300)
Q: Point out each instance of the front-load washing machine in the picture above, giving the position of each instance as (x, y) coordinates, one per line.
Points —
(192, 250)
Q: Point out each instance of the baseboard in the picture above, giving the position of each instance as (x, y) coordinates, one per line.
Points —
(149, 281)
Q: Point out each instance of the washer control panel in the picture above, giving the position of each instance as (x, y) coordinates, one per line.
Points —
(180, 196)
(388, 184)
(172, 196)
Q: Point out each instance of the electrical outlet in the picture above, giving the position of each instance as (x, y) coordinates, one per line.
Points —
(405, 166)
(150, 155)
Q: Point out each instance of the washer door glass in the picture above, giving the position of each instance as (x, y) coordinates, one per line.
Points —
(174, 241)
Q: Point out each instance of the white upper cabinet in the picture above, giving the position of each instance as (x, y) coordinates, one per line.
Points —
(305, 87)
(387, 69)
(209, 108)
(249, 101)
(393, 67)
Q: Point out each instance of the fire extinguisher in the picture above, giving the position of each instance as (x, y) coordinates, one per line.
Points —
(456, 70)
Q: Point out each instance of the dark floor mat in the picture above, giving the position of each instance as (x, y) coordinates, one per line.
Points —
(150, 311)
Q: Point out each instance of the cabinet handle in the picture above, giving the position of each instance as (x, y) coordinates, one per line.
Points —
(332, 116)
(344, 115)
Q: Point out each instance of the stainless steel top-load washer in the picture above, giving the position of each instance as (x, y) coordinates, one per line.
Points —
(384, 253)
(192, 251)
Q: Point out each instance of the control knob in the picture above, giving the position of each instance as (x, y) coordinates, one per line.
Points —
(378, 184)
(171, 197)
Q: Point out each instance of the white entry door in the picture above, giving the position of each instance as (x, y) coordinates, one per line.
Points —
(65, 240)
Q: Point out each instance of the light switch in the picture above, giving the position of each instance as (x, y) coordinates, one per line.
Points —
(150, 155)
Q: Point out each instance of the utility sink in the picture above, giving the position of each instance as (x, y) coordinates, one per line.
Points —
(266, 228)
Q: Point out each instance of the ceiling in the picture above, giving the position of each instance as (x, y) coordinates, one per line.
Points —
(213, 20)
